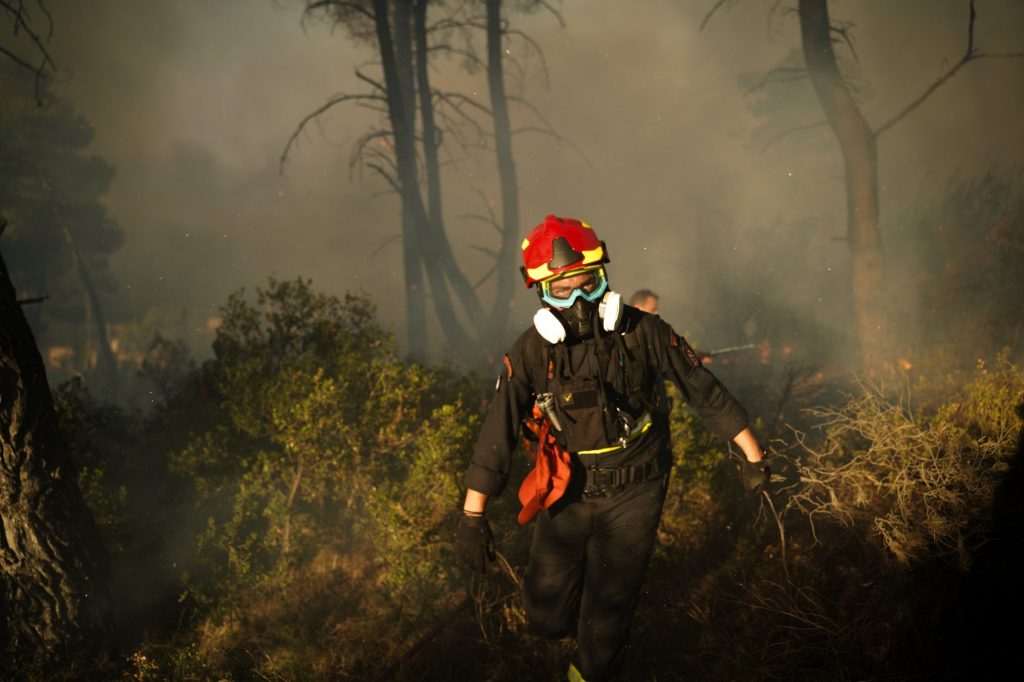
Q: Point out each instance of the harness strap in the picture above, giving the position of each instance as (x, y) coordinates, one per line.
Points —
(641, 427)
(603, 482)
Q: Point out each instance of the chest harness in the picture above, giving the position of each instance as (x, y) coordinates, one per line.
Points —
(593, 399)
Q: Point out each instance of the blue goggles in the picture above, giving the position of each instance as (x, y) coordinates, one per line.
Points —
(590, 285)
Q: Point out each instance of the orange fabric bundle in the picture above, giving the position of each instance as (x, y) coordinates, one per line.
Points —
(549, 477)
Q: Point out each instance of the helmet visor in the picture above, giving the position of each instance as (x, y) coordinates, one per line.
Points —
(590, 284)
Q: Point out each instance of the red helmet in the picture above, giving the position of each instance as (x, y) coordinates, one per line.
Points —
(559, 245)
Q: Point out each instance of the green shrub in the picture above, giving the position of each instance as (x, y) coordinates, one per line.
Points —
(330, 470)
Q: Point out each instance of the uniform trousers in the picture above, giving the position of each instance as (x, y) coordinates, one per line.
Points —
(586, 569)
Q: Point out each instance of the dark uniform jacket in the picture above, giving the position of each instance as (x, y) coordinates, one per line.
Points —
(644, 351)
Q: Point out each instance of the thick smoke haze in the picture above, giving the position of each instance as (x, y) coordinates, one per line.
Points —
(669, 159)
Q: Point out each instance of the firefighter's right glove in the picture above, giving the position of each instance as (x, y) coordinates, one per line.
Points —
(755, 475)
(474, 542)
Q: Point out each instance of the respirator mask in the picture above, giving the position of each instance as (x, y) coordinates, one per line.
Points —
(576, 303)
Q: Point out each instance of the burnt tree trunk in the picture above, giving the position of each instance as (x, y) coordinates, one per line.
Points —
(412, 207)
(857, 142)
(507, 252)
(54, 604)
(438, 260)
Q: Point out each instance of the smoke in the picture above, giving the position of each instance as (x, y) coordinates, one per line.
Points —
(665, 151)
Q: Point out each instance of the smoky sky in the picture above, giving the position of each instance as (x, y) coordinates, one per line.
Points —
(192, 102)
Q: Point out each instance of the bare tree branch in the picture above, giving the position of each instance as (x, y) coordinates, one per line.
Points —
(17, 60)
(490, 218)
(970, 54)
(546, 5)
(711, 12)
(550, 128)
(337, 99)
(790, 131)
(563, 140)
(455, 129)
(448, 97)
(536, 48)
(387, 241)
(776, 75)
(484, 219)
(20, 21)
(478, 23)
(337, 4)
(387, 176)
(468, 55)
(377, 85)
(359, 149)
(843, 31)
(49, 18)
(483, 249)
(456, 101)
(487, 276)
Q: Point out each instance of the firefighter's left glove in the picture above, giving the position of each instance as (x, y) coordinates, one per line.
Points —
(755, 475)
(474, 542)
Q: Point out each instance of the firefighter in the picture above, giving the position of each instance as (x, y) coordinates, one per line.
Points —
(646, 300)
(603, 458)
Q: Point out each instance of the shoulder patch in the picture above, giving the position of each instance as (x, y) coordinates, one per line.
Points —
(508, 365)
(691, 355)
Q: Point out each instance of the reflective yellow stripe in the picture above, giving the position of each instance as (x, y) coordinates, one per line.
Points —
(574, 674)
(593, 255)
(540, 272)
(640, 428)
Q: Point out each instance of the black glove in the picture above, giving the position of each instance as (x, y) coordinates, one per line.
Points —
(755, 475)
(474, 542)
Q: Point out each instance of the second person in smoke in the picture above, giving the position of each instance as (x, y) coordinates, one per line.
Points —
(645, 300)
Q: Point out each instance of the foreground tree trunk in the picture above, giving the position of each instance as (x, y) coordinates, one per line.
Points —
(54, 604)
(857, 142)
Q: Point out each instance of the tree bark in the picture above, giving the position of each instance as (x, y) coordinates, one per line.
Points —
(438, 258)
(431, 136)
(857, 142)
(54, 604)
(405, 161)
(401, 31)
(507, 252)
(438, 263)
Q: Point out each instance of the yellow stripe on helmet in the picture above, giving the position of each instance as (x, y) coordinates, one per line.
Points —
(594, 255)
(540, 272)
